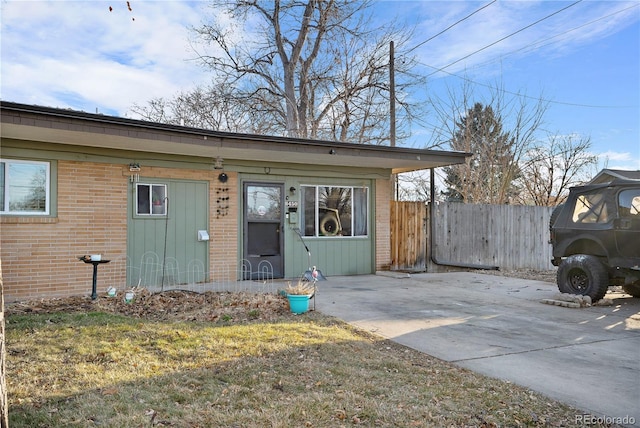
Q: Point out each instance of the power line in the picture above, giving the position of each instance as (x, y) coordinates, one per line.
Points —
(522, 95)
(451, 26)
(507, 36)
(438, 69)
(539, 44)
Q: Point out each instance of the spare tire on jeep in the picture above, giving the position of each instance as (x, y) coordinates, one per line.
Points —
(583, 274)
(554, 215)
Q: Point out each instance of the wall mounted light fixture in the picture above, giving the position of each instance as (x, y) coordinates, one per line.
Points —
(292, 190)
(134, 167)
(332, 151)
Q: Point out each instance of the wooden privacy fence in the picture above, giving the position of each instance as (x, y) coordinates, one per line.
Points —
(409, 222)
(506, 236)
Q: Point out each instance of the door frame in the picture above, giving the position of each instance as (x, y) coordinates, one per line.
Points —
(162, 267)
(256, 271)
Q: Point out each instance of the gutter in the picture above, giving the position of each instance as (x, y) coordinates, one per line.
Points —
(432, 191)
(411, 153)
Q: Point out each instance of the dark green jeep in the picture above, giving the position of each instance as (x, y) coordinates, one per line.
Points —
(596, 238)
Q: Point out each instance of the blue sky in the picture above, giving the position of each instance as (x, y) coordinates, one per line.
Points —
(584, 60)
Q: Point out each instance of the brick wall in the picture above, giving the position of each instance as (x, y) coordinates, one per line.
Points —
(223, 228)
(383, 224)
(40, 255)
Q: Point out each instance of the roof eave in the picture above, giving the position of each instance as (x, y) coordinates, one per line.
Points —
(79, 128)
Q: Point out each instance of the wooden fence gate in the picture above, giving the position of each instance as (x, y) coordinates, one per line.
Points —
(506, 236)
(409, 235)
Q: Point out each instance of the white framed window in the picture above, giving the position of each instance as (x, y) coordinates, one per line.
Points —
(25, 187)
(151, 199)
(334, 211)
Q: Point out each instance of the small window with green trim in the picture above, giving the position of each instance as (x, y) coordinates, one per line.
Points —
(151, 199)
(25, 187)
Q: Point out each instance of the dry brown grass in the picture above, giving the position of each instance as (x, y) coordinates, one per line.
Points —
(300, 288)
(238, 360)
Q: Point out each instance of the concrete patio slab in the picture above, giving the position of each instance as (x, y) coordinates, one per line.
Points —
(586, 357)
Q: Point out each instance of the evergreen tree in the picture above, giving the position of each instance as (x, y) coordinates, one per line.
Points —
(488, 176)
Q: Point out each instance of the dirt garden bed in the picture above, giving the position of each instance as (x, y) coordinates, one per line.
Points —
(168, 305)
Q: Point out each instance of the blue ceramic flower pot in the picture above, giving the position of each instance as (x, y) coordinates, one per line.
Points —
(298, 303)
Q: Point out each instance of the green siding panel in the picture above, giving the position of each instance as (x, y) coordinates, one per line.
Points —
(340, 256)
(333, 256)
(184, 257)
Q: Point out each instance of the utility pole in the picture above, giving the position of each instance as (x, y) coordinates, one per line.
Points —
(392, 112)
(392, 94)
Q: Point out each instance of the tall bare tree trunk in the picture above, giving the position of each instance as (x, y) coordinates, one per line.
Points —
(301, 68)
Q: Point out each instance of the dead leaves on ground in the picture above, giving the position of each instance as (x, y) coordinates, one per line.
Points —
(169, 305)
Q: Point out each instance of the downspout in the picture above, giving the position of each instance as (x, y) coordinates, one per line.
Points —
(432, 223)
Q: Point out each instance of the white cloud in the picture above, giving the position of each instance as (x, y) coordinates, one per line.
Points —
(619, 160)
(574, 27)
(616, 156)
(79, 53)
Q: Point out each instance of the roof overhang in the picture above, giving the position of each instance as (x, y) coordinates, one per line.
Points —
(608, 175)
(60, 126)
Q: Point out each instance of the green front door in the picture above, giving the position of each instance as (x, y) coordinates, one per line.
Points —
(164, 247)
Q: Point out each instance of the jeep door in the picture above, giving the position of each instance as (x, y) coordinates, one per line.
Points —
(627, 225)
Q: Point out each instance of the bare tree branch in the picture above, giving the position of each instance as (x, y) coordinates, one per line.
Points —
(550, 170)
(314, 67)
(497, 129)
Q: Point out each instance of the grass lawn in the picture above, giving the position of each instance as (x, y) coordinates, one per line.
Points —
(95, 368)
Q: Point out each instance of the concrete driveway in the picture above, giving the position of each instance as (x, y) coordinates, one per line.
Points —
(588, 358)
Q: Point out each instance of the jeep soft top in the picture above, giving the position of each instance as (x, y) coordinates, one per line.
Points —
(596, 238)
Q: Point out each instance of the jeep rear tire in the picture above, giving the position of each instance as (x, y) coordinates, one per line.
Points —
(633, 289)
(583, 274)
